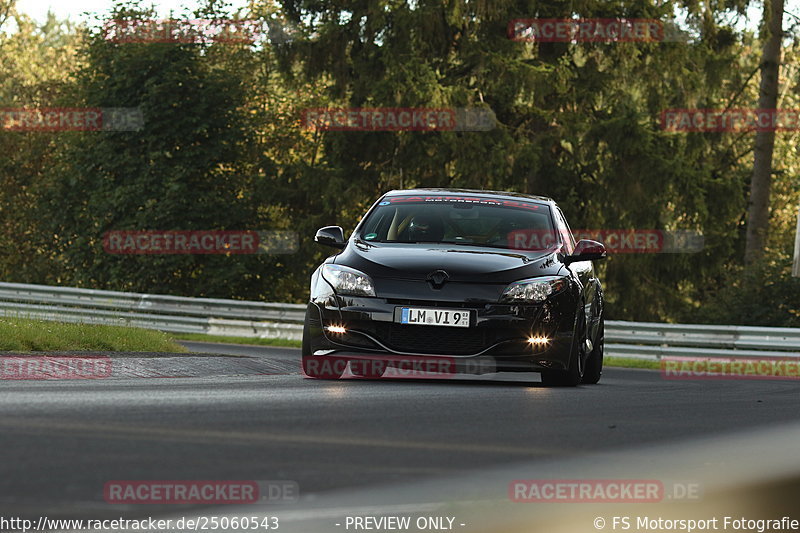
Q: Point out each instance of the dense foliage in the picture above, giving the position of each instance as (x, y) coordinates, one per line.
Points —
(223, 148)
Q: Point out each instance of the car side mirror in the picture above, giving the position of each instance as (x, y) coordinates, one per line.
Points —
(331, 236)
(586, 250)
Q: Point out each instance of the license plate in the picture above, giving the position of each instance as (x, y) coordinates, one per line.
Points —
(458, 318)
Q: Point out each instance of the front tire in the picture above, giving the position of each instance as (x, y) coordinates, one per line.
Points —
(574, 374)
(594, 363)
(564, 378)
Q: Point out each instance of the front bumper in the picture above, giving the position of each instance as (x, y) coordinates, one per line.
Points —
(497, 339)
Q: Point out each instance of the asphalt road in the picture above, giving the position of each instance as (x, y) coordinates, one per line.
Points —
(61, 441)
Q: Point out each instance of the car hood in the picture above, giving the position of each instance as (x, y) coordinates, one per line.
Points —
(470, 264)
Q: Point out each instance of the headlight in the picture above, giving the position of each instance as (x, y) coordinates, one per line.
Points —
(535, 289)
(346, 280)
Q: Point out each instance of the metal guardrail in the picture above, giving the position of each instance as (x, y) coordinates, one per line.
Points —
(650, 340)
(175, 314)
(240, 318)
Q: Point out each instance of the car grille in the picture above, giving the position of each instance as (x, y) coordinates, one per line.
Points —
(436, 339)
(429, 303)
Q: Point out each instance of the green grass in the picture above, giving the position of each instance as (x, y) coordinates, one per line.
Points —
(630, 362)
(235, 340)
(26, 335)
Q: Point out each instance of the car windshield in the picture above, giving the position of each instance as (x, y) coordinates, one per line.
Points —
(474, 221)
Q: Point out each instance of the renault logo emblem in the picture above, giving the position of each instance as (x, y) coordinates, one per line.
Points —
(437, 278)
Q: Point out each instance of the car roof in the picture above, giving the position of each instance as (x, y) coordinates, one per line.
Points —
(474, 192)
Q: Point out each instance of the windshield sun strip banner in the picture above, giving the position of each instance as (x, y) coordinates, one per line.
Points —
(475, 200)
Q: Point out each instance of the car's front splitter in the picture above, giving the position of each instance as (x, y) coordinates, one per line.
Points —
(507, 337)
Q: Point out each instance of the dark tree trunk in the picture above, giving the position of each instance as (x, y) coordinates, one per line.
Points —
(758, 207)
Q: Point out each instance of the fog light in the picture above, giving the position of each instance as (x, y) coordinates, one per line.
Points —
(538, 341)
(336, 329)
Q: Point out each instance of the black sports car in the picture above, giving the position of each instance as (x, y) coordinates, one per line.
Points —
(457, 281)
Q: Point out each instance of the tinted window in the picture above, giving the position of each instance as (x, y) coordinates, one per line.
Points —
(566, 233)
(478, 221)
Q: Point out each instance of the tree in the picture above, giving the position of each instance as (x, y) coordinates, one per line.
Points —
(576, 121)
(36, 61)
(187, 169)
(760, 184)
(6, 11)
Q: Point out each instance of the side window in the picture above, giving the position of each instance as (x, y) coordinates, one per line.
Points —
(566, 233)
